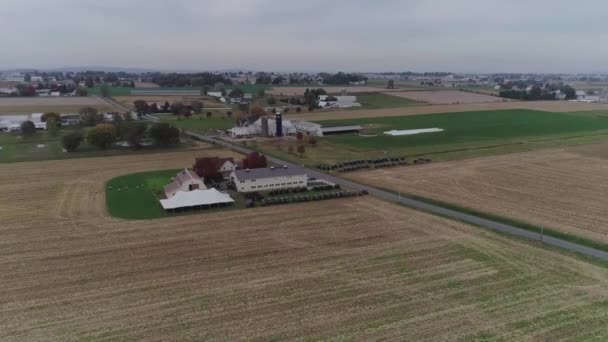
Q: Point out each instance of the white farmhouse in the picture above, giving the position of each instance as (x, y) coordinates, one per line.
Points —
(258, 128)
(184, 181)
(269, 179)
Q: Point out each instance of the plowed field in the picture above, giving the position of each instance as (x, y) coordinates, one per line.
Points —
(562, 189)
(352, 269)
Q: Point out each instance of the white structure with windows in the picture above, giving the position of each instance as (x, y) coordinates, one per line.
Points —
(269, 179)
(184, 181)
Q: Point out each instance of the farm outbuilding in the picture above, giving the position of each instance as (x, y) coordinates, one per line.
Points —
(265, 127)
(196, 198)
(341, 129)
(269, 179)
(184, 181)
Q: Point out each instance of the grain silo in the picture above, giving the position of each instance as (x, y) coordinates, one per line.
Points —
(265, 126)
(279, 121)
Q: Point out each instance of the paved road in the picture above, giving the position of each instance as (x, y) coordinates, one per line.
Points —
(435, 209)
(113, 103)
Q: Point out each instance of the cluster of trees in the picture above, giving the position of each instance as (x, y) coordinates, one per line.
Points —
(105, 135)
(177, 108)
(311, 96)
(341, 78)
(538, 93)
(63, 88)
(190, 80)
(254, 160)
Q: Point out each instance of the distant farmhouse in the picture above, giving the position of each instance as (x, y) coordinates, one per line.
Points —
(327, 102)
(269, 179)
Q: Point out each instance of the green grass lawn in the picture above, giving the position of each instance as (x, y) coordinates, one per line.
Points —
(469, 128)
(379, 101)
(135, 197)
(139, 194)
(41, 146)
(465, 135)
(200, 122)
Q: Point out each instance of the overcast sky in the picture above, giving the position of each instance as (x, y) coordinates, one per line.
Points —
(309, 35)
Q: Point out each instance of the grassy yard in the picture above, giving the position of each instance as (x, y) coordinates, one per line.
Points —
(200, 122)
(41, 146)
(469, 128)
(379, 101)
(136, 196)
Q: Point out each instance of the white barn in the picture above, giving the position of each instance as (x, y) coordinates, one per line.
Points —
(255, 129)
(269, 179)
(184, 181)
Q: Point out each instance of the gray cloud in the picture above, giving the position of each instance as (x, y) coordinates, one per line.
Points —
(467, 35)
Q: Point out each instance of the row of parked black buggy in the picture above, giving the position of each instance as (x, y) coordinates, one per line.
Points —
(311, 198)
(355, 165)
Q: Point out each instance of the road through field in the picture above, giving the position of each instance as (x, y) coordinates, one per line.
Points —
(435, 209)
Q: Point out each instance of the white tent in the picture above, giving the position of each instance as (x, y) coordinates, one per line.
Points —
(183, 199)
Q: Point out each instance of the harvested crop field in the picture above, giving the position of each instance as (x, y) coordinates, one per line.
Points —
(549, 106)
(352, 269)
(447, 97)
(560, 189)
(299, 91)
(10, 105)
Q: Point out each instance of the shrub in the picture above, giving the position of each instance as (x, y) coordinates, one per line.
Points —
(164, 134)
(51, 126)
(28, 128)
(50, 115)
(89, 116)
(301, 149)
(102, 136)
(72, 140)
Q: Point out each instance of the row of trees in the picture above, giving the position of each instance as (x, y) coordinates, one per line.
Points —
(105, 135)
(190, 80)
(538, 93)
(30, 89)
(341, 78)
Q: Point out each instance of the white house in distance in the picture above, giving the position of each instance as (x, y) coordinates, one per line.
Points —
(184, 181)
(269, 179)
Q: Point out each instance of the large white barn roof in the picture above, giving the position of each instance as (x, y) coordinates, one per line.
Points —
(183, 199)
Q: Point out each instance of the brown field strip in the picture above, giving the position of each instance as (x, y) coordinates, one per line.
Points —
(447, 97)
(352, 269)
(550, 106)
(562, 189)
(46, 104)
